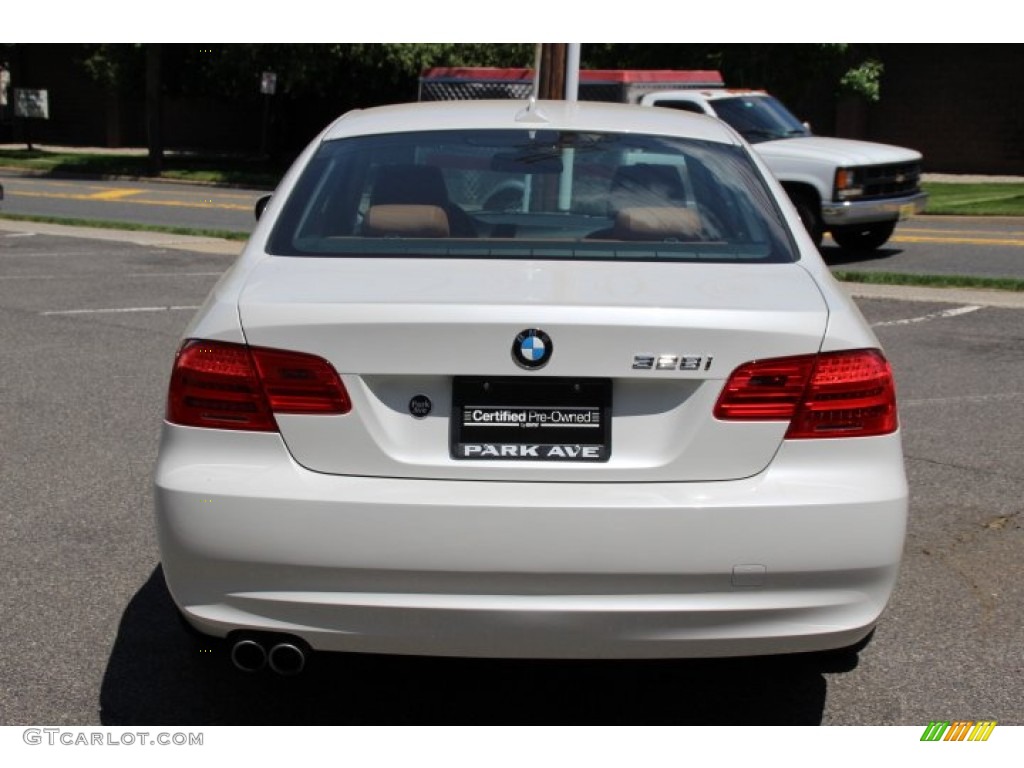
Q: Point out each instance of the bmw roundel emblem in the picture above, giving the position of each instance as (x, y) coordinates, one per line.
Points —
(532, 348)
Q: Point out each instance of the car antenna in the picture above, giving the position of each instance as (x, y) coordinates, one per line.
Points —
(531, 114)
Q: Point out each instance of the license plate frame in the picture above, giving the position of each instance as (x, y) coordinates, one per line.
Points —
(531, 419)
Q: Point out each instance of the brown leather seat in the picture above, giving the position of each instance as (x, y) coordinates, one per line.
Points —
(420, 185)
(648, 202)
(645, 185)
(406, 221)
(666, 223)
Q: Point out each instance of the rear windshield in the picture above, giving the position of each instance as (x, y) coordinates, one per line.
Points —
(534, 194)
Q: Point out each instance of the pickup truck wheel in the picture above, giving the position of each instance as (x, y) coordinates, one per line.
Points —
(807, 207)
(866, 237)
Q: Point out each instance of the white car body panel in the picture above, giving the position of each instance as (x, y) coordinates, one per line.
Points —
(377, 333)
(796, 559)
(802, 152)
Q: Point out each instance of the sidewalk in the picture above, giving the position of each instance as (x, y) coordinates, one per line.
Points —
(124, 151)
(969, 178)
(213, 245)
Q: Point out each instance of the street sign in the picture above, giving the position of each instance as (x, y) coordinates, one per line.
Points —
(31, 102)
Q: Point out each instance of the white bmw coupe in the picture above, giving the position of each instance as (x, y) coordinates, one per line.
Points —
(529, 379)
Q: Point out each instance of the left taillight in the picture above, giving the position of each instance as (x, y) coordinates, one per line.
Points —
(223, 385)
(831, 394)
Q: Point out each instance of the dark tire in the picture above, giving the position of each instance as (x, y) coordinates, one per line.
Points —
(807, 206)
(867, 237)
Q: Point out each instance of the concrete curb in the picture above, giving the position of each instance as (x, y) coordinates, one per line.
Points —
(979, 297)
(212, 245)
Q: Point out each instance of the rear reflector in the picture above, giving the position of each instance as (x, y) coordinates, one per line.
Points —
(231, 386)
(834, 394)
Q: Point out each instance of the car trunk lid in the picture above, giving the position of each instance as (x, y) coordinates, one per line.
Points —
(643, 348)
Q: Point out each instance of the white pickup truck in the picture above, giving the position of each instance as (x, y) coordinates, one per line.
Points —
(855, 190)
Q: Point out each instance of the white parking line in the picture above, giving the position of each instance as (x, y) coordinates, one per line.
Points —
(954, 312)
(118, 310)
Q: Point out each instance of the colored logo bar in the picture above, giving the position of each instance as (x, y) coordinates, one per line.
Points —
(958, 730)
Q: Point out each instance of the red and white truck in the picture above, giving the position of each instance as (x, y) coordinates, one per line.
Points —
(855, 190)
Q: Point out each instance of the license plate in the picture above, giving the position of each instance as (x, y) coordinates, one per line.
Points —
(907, 210)
(540, 419)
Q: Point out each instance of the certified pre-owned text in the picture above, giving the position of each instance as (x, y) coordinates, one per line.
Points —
(573, 417)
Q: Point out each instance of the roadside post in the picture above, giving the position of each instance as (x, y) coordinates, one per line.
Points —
(268, 86)
(31, 104)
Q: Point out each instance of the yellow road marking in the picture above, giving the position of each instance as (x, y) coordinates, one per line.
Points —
(114, 194)
(171, 203)
(905, 230)
(123, 195)
(957, 240)
(16, 187)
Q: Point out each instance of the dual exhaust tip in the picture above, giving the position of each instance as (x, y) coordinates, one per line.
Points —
(285, 656)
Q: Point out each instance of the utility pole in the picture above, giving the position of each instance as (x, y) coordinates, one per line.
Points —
(154, 109)
(551, 77)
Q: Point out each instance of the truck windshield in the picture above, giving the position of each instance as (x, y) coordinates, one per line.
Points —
(532, 194)
(759, 118)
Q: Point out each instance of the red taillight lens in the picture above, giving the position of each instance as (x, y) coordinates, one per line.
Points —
(231, 386)
(299, 383)
(851, 394)
(834, 394)
(765, 390)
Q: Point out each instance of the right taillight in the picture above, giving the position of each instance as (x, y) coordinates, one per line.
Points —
(832, 394)
(232, 386)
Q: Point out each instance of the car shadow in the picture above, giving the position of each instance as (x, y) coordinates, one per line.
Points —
(159, 673)
(835, 256)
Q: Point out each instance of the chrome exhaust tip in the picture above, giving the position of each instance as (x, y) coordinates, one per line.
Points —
(287, 659)
(248, 655)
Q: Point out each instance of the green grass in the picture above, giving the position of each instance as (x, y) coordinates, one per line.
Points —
(224, 234)
(976, 199)
(931, 281)
(191, 167)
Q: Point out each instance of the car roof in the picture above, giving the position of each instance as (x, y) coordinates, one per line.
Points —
(519, 114)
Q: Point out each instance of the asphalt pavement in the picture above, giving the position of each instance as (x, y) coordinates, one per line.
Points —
(939, 245)
(212, 245)
(89, 321)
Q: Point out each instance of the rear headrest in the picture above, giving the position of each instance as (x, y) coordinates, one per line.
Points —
(669, 223)
(644, 185)
(407, 184)
(405, 221)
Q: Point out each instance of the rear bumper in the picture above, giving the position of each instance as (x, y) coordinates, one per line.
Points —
(870, 211)
(801, 557)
